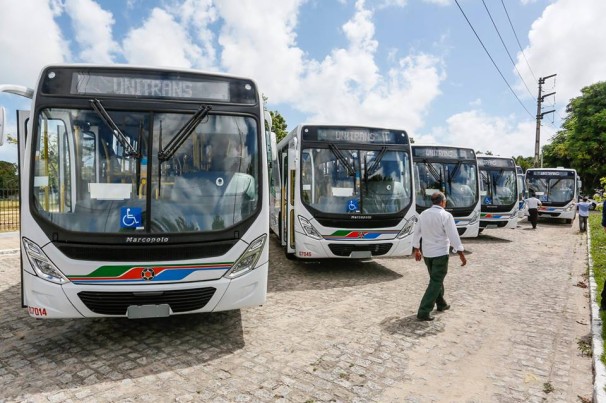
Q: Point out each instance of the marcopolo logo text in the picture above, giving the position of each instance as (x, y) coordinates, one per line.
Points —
(151, 239)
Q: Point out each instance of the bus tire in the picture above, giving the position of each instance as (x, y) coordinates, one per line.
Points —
(569, 221)
(290, 256)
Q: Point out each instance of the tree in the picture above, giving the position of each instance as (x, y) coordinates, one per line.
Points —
(524, 162)
(9, 178)
(278, 125)
(581, 144)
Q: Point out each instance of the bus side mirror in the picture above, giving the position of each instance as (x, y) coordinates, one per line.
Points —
(2, 115)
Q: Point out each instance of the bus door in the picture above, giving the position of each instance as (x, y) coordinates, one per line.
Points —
(283, 158)
(22, 120)
(290, 190)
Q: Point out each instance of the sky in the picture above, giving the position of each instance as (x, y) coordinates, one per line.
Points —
(452, 72)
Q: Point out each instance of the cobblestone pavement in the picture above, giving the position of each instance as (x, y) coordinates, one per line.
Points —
(333, 331)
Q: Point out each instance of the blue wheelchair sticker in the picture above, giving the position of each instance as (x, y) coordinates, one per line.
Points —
(488, 200)
(130, 217)
(353, 206)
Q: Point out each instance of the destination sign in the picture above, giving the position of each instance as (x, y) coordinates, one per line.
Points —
(359, 135)
(443, 152)
(551, 174)
(92, 84)
(123, 81)
(487, 162)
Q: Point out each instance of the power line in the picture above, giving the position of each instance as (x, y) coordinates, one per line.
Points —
(519, 45)
(492, 60)
(507, 50)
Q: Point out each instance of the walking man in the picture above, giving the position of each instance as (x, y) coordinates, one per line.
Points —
(533, 210)
(437, 228)
(583, 213)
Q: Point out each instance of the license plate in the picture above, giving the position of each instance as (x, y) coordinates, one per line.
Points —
(360, 255)
(147, 311)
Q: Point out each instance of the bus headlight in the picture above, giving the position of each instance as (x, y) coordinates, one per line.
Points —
(409, 227)
(44, 268)
(309, 229)
(248, 259)
(474, 218)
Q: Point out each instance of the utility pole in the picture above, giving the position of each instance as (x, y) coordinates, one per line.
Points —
(540, 99)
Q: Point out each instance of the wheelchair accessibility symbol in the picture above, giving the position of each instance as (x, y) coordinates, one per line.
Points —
(353, 206)
(130, 217)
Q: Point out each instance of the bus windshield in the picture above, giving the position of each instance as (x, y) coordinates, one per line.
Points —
(138, 177)
(498, 187)
(343, 180)
(551, 190)
(457, 180)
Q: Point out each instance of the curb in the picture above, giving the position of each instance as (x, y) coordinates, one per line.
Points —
(597, 343)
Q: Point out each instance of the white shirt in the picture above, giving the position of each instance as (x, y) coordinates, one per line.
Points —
(533, 202)
(437, 228)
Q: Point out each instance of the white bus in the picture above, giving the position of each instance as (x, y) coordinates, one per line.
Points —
(346, 192)
(498, 192)
(453, 171)
(143, 192)
(557, 188)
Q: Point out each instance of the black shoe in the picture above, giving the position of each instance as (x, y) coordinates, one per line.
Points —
(443, 308)
(425, 318)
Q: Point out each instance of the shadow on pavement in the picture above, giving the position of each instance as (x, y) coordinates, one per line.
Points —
(300, 275)
(39, 356)
(410, 326)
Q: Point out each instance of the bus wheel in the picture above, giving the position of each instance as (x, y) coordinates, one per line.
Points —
(290, 256)
(480, 230)
(569, 221)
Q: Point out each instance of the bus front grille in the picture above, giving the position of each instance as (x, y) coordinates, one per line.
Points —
(376, 249)
(117, 303)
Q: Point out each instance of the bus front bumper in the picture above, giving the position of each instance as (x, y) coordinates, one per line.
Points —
(47, 300)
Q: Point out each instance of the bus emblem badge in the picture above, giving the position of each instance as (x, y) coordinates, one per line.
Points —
(147, 274)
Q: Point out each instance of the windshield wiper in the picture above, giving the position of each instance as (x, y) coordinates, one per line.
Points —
(183, 133)
(377, 161)
(122, 139)
(454, 171)
(335, 150)
(433, 171)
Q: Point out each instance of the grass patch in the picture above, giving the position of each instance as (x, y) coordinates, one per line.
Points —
(598, 254)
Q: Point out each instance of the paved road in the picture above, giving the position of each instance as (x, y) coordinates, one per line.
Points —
(333, 331)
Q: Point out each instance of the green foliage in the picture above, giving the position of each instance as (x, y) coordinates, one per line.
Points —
(9, 178)
(524, 162)
(598, 255)
(581, 144)
(278, 125)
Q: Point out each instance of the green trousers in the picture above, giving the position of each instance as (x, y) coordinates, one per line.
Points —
(437, 268)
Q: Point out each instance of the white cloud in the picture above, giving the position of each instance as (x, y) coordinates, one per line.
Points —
(348, 87)
(93, 28)
(160, 41)
(567, 40)
(29, 40)
(258, 39)
(198, 15)
(502, 136)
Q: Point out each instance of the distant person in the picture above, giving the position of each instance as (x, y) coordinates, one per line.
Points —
(533, 210)
(583, 213)
(437, 228)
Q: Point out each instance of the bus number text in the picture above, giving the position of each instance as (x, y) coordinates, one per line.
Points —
(35, 311)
